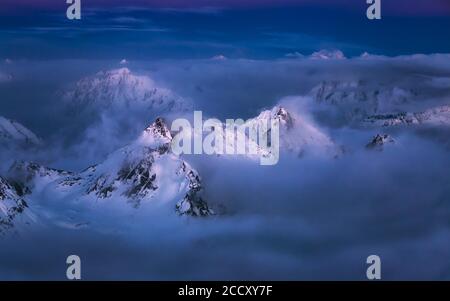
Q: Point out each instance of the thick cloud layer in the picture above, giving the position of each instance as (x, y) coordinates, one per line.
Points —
(313, 217)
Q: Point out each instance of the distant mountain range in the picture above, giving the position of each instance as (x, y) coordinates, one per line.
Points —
(358, 99)
(433, 117)
(146, 171)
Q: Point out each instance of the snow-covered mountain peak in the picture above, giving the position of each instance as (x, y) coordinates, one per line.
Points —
(379, 141)
(438, 116)
(338, 92)
(122, 89)
(359, 99)
(120, 72)
(147, 170)
(139, 175)
(13, 133)
(297, 134)
(328, 54)
(283, 116)
(157, 134)
(279, 113)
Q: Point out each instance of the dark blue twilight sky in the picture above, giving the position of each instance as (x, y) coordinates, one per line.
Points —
(151, 29)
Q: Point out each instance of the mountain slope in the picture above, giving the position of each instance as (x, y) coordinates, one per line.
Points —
(14, 134)
(358, 99)
(297, 134)
(433, 117)
(121, 89)
(29, 176)
(141, 173)
(146, 170)
(13, 208)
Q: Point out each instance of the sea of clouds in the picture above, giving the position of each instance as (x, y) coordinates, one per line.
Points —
(313, 217)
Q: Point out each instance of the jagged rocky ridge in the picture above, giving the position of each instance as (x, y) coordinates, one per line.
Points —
(297, 134)
(144, 171)
(379, 141)
(12, 206)
(435, 116)
(359, 99)
(135, 173)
